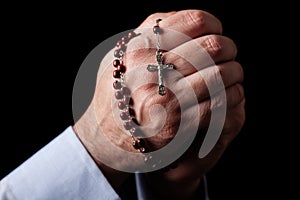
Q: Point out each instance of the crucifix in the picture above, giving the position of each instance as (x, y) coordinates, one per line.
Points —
(159, 68)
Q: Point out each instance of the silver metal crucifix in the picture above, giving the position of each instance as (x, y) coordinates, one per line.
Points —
(159, 68)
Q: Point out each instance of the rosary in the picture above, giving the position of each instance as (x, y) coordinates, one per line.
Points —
(159, 58)
(122, 93)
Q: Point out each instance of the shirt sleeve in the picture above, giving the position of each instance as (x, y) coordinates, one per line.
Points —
(62, 169)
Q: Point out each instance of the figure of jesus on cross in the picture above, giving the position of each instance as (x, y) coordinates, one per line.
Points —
(159, 68)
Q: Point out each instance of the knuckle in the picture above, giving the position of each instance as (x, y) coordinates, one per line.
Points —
(219, 47)
(213, 45)
(199, 18)
(205, 113)
(234, 47)
(195, 17)
(236, 120)
(240, 71)
(234, 96)
(233, 125)
(153, 17)
(239, 92)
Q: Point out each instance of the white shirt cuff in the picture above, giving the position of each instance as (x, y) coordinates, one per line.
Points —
(62, 169)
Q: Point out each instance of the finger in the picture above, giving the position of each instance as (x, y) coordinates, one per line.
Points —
(192, 23)
(201, 52)
(151, 19)
(234, 120)
(209, 81)
(233, 98)
(177, 28)
(233, 124)
(220, 48)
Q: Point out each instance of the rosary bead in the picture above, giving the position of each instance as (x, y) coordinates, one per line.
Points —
(117, 53)
(116, 62)
(124, 116)
(121, 105)
(119, 44)
(128, 125)
(119, 95)
(123, 93)
(126, 99)
(139, 144)
(117, 85)
(156, 29)
(116, 74)
(142, 149)
(125, 39)
(125, 90)
(131, 35)
(121, 68)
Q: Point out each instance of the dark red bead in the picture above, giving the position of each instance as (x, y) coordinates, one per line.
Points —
(117, 53)
(116, 74)
(142, 149)
(121, 68)
(126, 99)
(119, 43)
(141, 142)
(138, 143)
(131, 35)
(117, 85)
(135, 145)
(127, 112)
(148, 158)
(116, 62)
(130, 101)
(121, 105)
(119, 95)
(156, 29)
(131, 112)
(128, 125)
(124, 116)
(125, 91)
(122, 48)
(125, 39)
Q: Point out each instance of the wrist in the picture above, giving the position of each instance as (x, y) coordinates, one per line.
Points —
(87, 131)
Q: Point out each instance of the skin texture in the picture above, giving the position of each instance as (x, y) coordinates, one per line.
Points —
(198, 27)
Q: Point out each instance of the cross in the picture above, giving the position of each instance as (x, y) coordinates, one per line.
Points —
(159, 68)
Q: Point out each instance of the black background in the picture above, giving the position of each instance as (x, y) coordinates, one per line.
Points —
(44, 45)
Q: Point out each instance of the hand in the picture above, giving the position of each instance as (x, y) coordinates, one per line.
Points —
(98, 128)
